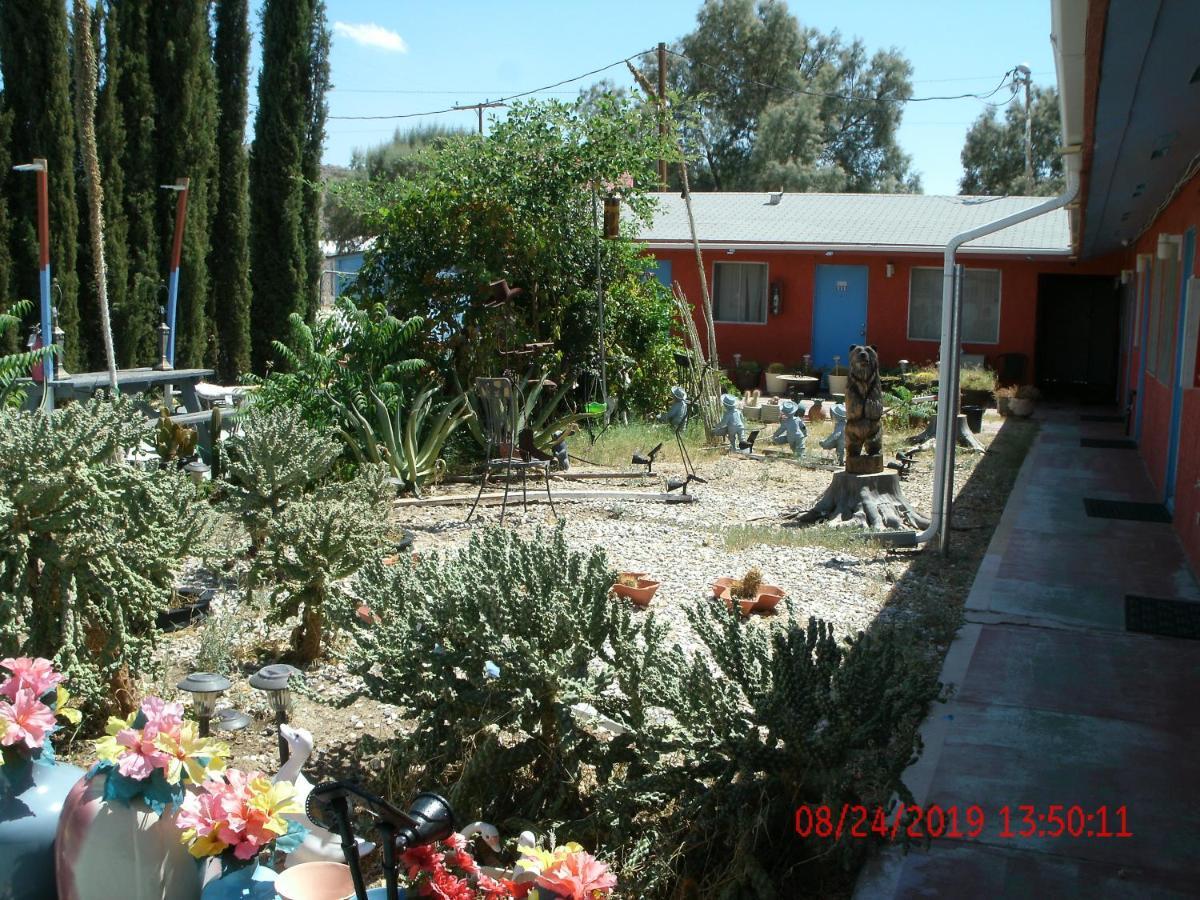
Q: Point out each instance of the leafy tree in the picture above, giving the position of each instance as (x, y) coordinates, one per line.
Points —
(287, 138)
(230, 256)
(518, 205)
(993, 155)
(34, 66)
(786, 106)
(184, 84)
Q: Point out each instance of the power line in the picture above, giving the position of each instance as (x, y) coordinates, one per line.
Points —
(619, 62)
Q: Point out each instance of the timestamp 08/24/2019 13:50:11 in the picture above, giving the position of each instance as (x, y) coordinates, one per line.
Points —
(1024, 820)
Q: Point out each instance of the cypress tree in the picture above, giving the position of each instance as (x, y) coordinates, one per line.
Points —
(290, 98)
(34, 64)
(314, 143)
(181, 69)
(13, 338)
(230, 256)
(128, 66)
(132, 328)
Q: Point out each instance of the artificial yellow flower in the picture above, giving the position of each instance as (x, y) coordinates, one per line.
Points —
(274, 799)
(71, 714)
(107, 747)
(198, 757)
(201, 846)
(537, 859)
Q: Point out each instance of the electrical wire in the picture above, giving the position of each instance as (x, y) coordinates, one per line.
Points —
(619, 62)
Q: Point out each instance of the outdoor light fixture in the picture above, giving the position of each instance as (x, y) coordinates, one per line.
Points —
(197, 471)
(43, 228)
(1126, 276)
(230, 720)
(275, 681)
(1168, 246)
(181, 188)
(205, 688)
(776, 298)
(164, 338)
(889, 269)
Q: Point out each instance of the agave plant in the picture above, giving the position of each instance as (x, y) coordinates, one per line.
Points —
(410, 445)
(544, 415)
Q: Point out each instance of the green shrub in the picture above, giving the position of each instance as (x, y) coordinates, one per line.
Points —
(776, 368)
(976, 378)
(315, 544)
(275, 459)
(88, 544)
(904, 409)
(17, 365)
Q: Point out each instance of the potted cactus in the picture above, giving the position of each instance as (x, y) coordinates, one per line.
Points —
(635, 586)
(775, 384)
(748, 593)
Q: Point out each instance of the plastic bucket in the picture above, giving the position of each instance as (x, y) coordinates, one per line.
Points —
(974, 416)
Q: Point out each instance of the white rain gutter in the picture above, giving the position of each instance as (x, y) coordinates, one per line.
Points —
(951, 352)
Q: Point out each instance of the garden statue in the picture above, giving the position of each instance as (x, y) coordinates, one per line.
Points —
(837, 438)
(677, 415)
(559, 449)
(864, 404)
(816, 412)
(792, 430)
(732, 425)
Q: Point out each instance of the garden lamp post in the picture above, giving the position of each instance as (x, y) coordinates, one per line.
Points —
(181, 188)
(43, 226)
(275, 680)
(205, 688)
(904, 371)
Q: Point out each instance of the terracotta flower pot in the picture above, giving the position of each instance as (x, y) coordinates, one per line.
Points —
(315, 881)
(764, 601)
(641, 594)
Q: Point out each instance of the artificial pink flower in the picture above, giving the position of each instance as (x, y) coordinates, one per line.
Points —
(33, 674)
(141, 756)
(162, 717)
(578, 876)
(25, 720)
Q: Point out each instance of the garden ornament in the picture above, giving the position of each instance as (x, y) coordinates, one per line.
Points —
(319, 843)
(559, 449)
(677, 415)
(792, 430)
(732, 425)
(837, 439)
(502, 293)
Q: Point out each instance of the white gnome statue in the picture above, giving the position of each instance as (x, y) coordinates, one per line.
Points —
(837, 439)
(792, 430)
(732, 425)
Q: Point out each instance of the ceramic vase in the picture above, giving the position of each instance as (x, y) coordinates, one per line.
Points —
(31, 799)
(107, 849)
(252, 882)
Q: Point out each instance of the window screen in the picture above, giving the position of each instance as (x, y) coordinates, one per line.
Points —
(740, 292)
(981, 305)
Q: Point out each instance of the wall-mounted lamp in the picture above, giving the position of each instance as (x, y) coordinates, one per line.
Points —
(1168, 246)
(829, 253)
(776, 298)
(275, 681)
(889, 269)
(1126, 276)
(730, 252)
(1143, 263)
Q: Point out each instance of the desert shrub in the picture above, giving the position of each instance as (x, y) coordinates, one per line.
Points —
(88, 544)
(276, 458)
(904, 409)
(782, 717)
(488, 651)
(976, 378)
(317, 542)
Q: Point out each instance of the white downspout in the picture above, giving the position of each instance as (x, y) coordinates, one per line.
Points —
(951, 347)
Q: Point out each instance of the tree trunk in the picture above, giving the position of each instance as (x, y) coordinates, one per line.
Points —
(873, 501)
(307, 636)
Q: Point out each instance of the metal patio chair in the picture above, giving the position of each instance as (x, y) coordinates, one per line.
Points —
(499, 403)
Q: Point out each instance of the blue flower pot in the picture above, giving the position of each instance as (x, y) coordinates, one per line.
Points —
(31, 798)
(253, 882)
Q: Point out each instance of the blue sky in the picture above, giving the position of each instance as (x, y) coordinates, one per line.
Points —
(430, 55)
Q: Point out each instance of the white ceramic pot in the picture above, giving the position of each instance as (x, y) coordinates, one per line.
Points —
(837, 384)
(775, 383)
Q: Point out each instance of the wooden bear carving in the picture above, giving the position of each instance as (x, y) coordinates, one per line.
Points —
(864, 403)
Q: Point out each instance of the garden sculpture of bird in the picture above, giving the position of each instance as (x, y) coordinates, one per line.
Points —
(647, 460)
(320, 844)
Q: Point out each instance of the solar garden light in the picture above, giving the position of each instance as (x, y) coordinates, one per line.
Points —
(903, 371)
(197, 471)
(275, 681)
(205, 688)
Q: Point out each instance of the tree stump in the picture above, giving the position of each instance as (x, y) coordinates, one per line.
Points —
(927, 439)
(875, 501)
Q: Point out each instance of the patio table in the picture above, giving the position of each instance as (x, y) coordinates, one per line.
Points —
(129, 381)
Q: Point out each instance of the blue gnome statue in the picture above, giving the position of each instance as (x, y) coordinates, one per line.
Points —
(677, 415)
(732, 425)
(838, 438)
(792, 430)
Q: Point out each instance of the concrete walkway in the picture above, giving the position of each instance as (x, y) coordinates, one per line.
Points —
(1056, 703)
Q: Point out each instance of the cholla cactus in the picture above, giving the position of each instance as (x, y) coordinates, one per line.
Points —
(87, 543)
(276, 459)
(316, 543)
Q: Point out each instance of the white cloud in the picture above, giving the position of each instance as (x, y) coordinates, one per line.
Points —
(372, 35)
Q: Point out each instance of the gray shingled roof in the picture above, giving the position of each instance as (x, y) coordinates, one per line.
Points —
(893, 222)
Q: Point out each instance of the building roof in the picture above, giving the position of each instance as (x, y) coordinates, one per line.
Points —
(895, 223)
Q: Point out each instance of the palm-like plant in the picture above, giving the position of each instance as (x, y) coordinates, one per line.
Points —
(16, 365)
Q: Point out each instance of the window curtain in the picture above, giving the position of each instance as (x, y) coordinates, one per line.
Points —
(981, 306)
(740, 292)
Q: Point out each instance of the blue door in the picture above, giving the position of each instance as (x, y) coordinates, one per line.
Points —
(1180, 378)
(839, 313)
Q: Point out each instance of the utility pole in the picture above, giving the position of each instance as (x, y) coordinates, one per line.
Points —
(662, 111)
(1024, 75)
(479, 108)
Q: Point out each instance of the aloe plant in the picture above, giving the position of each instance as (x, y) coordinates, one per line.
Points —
(410, 445)
(543, 417)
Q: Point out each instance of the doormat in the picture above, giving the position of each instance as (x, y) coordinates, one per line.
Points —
(1127, 510)
(1107, 444)
(1163, 617)
(1101, 418)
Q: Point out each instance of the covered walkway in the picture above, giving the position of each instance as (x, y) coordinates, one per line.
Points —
(1057, 702)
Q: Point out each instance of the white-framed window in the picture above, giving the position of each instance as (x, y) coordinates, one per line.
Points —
(740, 292)
(981, 305)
